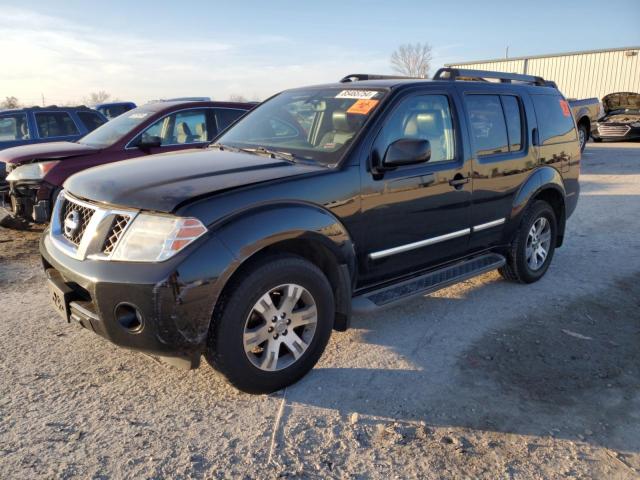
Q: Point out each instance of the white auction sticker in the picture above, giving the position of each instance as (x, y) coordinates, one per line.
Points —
(359, 94)
(138, 115)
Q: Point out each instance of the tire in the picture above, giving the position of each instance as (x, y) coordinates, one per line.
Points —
(518, 267)
(597, 140)
(246, 315)
(583, 136)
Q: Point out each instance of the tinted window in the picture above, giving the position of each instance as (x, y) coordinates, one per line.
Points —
(424, 117)
(512, 112)
(487, 124)
(113, 111)
(555, 122)
(91, 120)
(14, 127)
(226, 116)
(55, 124)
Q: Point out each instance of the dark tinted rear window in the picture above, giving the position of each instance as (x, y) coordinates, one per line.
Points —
(55, 124)
(487, 124)
(91, 120)
(555, 122)
(512, 113)
(226, 116)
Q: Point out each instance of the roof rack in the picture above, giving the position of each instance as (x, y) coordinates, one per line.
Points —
(358, 77)
(449, 73)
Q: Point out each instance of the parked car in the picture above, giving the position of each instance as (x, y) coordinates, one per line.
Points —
(321, 201)
(36, 172)
(114, 109)
(586, 113)
(621, 120)
(25, 126)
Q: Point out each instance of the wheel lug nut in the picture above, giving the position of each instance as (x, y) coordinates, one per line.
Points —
(270, 329)
(283, 315)
(288, 321)
(274, 319)
(275, 337)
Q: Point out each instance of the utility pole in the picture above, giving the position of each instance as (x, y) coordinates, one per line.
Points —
(506, 55)
(42, 95)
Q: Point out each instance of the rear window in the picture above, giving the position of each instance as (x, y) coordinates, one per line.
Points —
(226, 116)
(55, 124)
(487, 124)
(113, 111)
(555, 122)
(91, 120)
(14, 127)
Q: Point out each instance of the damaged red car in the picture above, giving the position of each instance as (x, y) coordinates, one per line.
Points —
(35, 173)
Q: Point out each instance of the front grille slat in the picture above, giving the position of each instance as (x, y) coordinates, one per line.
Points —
(72, 212)
(118, 225)
(613, 130)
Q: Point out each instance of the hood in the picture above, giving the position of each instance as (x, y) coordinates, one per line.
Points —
(44, 151)
(620, 100)
(162, 182)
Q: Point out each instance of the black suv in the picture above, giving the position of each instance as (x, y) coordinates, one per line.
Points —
(321, 201)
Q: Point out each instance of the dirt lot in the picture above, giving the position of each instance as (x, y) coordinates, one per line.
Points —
(484, 379)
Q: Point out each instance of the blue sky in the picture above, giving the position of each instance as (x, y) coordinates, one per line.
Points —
(142, 50)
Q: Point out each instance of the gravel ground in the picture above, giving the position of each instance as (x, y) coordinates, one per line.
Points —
(484, 379)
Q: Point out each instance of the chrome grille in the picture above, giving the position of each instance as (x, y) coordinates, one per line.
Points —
(118, 225)
(81, 216)
(613, 130)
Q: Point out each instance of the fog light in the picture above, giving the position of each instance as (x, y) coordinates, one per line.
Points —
(129, 317)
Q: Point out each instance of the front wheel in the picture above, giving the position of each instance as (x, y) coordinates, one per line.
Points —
(274, 325)
(533, 245)
(583, 136)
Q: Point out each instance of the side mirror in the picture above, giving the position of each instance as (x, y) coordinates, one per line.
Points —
(407, 151)
(148, 142)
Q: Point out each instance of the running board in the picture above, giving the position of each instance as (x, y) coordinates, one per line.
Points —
(427, 283)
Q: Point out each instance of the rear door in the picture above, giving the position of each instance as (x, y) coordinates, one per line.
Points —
(14, 130)
(415, 216)
(503, 156)
(56, 126)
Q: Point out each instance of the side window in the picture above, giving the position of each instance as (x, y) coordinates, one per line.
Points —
(55, 124)
(188, 127)
(91, 120)
(226, 116)
(555, 122)
(179, 128)
(487, 124)
(513, 115)
(425, 117)
(14, 127)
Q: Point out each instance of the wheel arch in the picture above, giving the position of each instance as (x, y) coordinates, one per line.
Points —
(308, 231)
(545, 184)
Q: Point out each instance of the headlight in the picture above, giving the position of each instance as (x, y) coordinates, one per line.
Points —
(636, 125)
(155, 238)
(31, 171)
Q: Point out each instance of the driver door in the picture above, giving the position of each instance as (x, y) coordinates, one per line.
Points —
(416, 216)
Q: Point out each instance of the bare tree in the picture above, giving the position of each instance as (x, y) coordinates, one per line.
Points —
(10, 102)
(237, 98)
(412, 60)
(97, 97)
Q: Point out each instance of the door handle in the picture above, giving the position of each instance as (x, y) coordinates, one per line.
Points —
(458, 181)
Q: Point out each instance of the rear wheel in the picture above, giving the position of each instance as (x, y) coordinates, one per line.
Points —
(533, 246)
(274, 325)
(583, 135)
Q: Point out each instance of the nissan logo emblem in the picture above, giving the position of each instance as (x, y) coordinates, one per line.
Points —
(71, 223)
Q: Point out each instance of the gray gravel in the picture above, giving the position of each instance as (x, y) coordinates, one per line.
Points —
(484, 379)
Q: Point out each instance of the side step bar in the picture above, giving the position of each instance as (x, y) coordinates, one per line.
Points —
(426, 283)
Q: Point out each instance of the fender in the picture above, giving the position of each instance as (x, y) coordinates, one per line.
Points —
(583, 112)
(541, 179)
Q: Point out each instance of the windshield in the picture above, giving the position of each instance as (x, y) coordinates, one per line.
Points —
(316, 124)
(115, 129)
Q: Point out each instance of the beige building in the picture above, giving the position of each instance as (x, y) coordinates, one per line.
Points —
(591, 73)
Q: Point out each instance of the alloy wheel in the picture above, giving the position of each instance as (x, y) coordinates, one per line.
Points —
(538, 243)
(280, 327)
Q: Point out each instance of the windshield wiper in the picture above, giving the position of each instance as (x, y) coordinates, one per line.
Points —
(289, 157)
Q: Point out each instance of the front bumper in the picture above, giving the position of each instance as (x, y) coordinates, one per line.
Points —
(175, 299)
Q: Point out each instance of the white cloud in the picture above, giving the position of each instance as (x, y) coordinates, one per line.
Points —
(66, 61)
